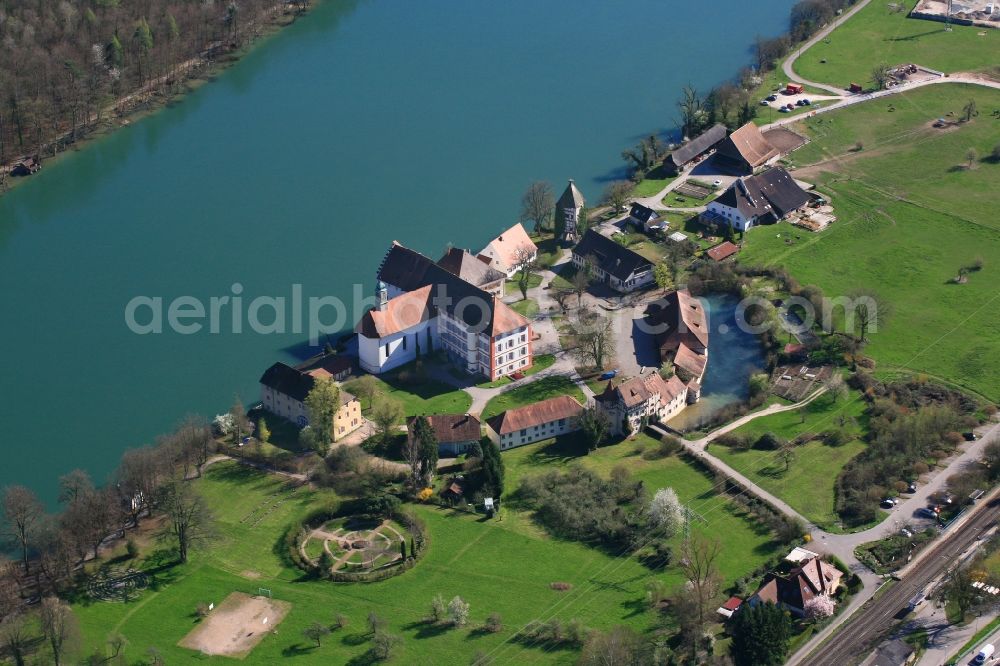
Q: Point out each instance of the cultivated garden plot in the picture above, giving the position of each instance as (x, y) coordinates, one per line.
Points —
(237, 625)
(353, 544)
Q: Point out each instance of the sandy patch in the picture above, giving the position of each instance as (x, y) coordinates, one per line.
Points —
(236, 625)
(252, 575)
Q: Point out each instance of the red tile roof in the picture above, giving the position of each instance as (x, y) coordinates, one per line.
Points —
(452, 428)
(403, 312)
(505, 319)
(723, 251)
(546, 411)
(504, 248)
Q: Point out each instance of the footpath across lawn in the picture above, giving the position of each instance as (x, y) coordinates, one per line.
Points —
(910, 215)
(536, 391)
(807, 483)
(494, 567)
(745, 544)
(877, 35)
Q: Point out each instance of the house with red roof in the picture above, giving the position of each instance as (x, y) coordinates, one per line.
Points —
(533, 423)
(509, 251)
(424, 307)
(644, 399)
(813, 578)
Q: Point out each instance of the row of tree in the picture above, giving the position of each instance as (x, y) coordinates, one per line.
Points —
(67, 62)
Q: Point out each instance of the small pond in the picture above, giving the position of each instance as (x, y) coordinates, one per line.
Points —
(733, 355)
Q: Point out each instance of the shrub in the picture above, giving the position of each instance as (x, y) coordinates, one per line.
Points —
(458, 612)
(493, 624)
(131, 549)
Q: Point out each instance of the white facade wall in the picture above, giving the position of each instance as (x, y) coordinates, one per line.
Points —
(732, 215)
(512, 352)
(533, 434)
(378, 355)
(284, 406)
(651, 410)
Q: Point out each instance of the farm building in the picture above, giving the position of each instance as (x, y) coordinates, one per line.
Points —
(754, 200)
(696, 148)
(745, 151)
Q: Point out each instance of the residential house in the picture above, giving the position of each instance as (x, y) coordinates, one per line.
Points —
(680, 326)
(473, 270)
(510, 250)
(754, 200)
(649, 398)
(283, 391)
(568, 210)
(694, 149)
(611, 263)
(532, 423)
(745, 150)
(792, 591)
(455, 433)
(436, 310)
(722, 251)
(645, 218)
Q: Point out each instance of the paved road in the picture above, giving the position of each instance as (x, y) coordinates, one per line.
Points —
(789, 65)
(867, 626)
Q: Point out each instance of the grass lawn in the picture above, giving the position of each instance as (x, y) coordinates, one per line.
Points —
(653, 183)
(533, 392)
(908, 218)
(745, 545)
(808, 484)
(510, 286)
(425, 396)
(528, 308)
(875, 35)
(491, 564)
(677, 200)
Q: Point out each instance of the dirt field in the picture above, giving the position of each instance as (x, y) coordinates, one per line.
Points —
(785, 140)
(236, 625)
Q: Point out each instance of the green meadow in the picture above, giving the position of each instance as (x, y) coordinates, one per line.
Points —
(807, 484)
(877, 35)
(503, 566)
(911, 212)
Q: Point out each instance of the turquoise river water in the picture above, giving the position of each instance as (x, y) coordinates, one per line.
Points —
(362, 123)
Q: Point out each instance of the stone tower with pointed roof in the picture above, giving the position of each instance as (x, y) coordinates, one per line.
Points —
(568, 210)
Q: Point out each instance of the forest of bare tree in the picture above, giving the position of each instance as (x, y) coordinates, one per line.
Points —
(68, 66)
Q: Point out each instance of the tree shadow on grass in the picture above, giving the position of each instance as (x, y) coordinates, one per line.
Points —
(355, 639)
(635, 607)
(365, 659)
(298, 650)
(914, 37)
(427, 628)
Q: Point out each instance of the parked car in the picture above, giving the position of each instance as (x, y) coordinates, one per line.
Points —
(970, 436)
(610, 374)
(771, 98)
(763, 102)
(717, 182)
(783, 109)
(888, 502)
(985, 653)
(905, 532)
(806, 102)
(912, 488)
(925, 512)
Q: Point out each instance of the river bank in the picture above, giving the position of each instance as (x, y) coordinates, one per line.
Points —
(164, 92)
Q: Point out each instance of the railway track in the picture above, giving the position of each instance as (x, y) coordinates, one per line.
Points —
(863, 630)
